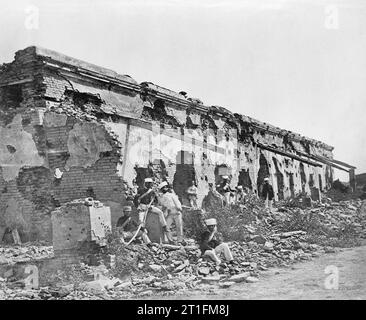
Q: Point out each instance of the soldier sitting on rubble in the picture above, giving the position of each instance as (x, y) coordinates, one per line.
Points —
(148, 196)
(127, 227)
(211, 243)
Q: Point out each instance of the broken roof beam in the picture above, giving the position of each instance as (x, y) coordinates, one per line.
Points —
(287, 154)
(328, 162)
(342, 164)
(323, 160)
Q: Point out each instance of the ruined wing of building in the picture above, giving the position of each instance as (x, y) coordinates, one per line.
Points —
(70, 129)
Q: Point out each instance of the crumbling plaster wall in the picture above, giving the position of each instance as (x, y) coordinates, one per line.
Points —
(286, 165)
(152, 143)
(79, 126)
(83, 151)
(87, 154)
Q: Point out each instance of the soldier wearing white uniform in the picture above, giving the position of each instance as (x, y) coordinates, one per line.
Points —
(172, 209)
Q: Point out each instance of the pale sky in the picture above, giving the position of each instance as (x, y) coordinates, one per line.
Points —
(297, 64)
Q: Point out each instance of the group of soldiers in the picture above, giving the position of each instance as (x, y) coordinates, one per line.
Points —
(164, 202)
(161, 201)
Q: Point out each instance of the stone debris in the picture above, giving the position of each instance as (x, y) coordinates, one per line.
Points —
(14, 254)
(251, 279)
(211, 279)
(226, 284)
(240, 277)
(170, 269)
(155, 267)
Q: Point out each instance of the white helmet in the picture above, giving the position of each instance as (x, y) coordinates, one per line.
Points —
(163, 184)
(148, 180)
(211, 222)
(58, 173)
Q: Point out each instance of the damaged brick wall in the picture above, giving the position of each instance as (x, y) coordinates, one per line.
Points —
(105, 133)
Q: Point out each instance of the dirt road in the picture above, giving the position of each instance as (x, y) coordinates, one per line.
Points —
(305, 280)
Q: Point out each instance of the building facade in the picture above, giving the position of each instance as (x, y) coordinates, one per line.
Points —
(70, 129)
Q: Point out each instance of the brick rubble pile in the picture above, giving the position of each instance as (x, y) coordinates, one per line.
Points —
(271, 240)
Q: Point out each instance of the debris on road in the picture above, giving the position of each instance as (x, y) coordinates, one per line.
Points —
(275, 239)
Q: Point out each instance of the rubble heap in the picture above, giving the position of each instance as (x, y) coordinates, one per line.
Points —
(27, 252)
(270, 240)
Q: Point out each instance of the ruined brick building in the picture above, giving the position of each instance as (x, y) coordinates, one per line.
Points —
(105, 133)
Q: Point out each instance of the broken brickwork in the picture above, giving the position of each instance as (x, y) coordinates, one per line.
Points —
(78, 226)
(106, 133)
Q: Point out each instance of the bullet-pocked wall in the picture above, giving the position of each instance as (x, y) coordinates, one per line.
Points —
(106, 133)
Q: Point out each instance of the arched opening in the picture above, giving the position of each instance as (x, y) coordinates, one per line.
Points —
(142, 173)
(263, 171)
(292, 184)
(311, 180)
(279, 178)
(221, 170)
(302, 177)
(320, 182)
(244, 179)
(328, 176)
(184, 174)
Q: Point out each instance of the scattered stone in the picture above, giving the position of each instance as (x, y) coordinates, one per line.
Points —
(268, 246)
(180, 268)
(210, 279)
(155, 267)
(204, 270)
(93, 286)
(259, 239)
(240, 277)
(329, 250)
(226, 284)
(251, 279)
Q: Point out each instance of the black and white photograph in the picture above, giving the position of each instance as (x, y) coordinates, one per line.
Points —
(187, 153)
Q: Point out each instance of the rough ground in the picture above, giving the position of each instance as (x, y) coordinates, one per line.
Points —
(304, 280)
(270, 241)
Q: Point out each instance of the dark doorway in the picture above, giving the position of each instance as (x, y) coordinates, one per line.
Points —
(263, 171)
(244, 179)
(292, 185)
(279, 178)
(159, 168)
(320, 182)
(328, 176)
(311, 180)
(221, 170)
(141, 174)
(302, 177)
(184, 173)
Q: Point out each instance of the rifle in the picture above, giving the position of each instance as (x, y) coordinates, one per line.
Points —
(144, 220)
